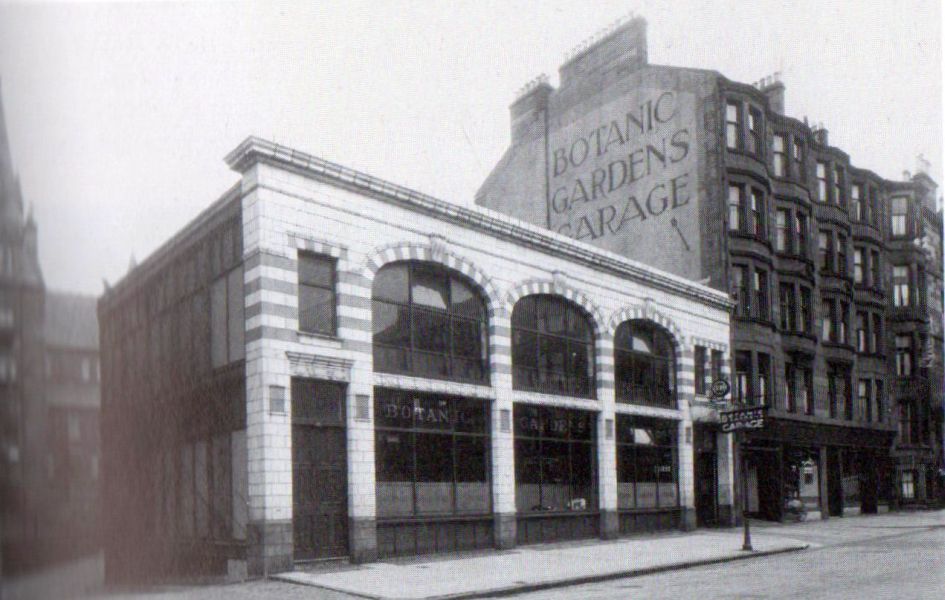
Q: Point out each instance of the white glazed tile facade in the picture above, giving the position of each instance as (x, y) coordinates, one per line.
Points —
(288, 207)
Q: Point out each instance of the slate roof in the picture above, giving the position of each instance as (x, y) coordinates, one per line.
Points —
(71, 321)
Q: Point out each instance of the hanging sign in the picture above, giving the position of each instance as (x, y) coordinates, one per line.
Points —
(743, 418)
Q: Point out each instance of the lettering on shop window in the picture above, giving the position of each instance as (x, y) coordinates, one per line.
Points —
(423, 415)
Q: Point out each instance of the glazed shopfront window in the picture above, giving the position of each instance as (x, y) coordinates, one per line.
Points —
(644, 365)
(552, 347)
(428, 322)
(431, 454)
(801, 480)
(555, 460)
(647, 470)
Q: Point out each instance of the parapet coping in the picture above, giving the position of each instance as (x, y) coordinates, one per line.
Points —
(254, 150)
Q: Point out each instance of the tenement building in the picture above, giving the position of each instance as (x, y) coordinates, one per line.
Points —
(49, 399)
(835, 271)
(323, 364)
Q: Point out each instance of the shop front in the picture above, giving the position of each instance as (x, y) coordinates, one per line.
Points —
(432, 454)
(647, 474)
(555, 474)
(802, 471)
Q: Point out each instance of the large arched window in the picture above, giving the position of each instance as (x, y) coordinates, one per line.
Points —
(552, 347)
(428, 322)
(644, 365)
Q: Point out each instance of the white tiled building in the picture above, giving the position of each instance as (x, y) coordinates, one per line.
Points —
(414, 376)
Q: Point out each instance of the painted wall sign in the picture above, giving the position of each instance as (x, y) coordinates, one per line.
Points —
(624, 176)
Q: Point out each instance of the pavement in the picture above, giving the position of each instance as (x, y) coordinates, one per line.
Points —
(898, 556)
(533, 568)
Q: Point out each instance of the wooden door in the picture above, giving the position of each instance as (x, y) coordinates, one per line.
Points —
(319, 471)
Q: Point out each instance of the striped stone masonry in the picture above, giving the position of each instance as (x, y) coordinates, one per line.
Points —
(288, 210)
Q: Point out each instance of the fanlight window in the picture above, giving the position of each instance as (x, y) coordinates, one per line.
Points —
(428, 322)
(644, 365)
(552, 347)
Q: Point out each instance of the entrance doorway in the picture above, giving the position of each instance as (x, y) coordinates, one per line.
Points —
(319, 470)
(764, 482)
(834, 481)
(707, 477)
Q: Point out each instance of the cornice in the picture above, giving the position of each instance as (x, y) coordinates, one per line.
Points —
(254, 150)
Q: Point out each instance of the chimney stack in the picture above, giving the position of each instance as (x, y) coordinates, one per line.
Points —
(774, 90)
(821, 135)
(922, 165)
(527, 110)
(622, 44)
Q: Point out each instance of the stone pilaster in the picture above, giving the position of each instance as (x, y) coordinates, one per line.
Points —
(606, 440)
(503, 445)
(267, 266)
(685, 390)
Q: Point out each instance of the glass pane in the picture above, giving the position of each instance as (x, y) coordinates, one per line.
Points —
(524, 349)
(642, 340)
(390, 283)
(552, 315)
(395, 473)
(626, 476)
(235, 323)
(464, 301)
(316, 309)
(527, 421)
(666, 477)
(218, 323)
(552, 352)
(393, 409)
(523, 315)
(473, 493)
(527, 475)
(430, 330)
(556, 423)
(431, 411)
(467, 338)
(580, 369)
(578, 325)
(623, 340)
(555, 466)
(583, 496)
(390, 359)
(581, 425)
(434, 473)
(472, 454)
(471, 415)
(316, 270)
(391, 324)
(429, 287)
(647, 467)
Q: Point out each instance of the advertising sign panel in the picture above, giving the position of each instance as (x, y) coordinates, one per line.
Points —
(624, 176)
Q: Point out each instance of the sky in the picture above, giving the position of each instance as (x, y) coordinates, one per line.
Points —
(119, 115)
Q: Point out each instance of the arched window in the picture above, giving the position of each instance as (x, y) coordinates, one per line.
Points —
(644, 365)
(428, 322)
(552, 347)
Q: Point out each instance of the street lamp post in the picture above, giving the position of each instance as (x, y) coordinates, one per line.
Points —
(734, 420)
(746, 539)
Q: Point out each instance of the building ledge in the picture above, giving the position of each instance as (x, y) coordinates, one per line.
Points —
(254, 150)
